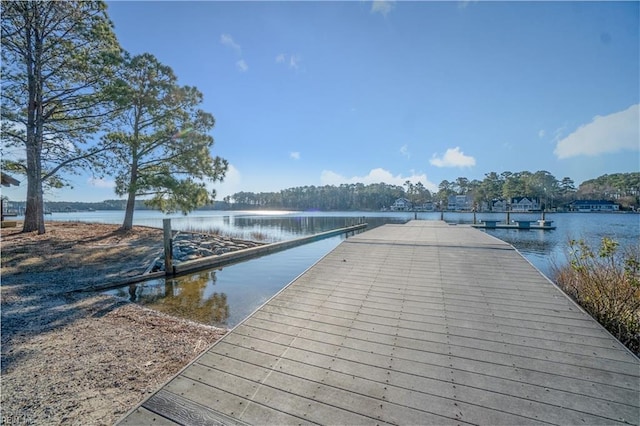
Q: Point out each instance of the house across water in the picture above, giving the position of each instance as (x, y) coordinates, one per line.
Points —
(594, 206)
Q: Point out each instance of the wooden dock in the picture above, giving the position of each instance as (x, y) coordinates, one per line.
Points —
(422, 323)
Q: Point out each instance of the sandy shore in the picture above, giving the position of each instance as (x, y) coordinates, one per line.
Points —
(83, 358)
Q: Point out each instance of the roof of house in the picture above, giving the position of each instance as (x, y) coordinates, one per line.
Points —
(593, 202)
(520, 199)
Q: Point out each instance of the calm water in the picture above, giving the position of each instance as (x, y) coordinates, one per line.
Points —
(226, 296)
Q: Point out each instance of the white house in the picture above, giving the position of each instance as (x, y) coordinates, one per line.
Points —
(524, 204)
(401, 204)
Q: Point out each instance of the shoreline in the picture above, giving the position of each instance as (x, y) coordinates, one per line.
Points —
(78, 357)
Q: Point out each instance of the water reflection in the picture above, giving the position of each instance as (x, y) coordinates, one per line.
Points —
(278, 228)
(226, 297)
(532, 241)
(187, 297)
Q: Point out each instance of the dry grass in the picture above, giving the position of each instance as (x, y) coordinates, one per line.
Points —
(81, 358)
(607, 285)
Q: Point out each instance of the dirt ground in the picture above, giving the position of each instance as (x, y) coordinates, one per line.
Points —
(82, 358)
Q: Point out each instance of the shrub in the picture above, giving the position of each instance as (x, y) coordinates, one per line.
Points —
(607, 285)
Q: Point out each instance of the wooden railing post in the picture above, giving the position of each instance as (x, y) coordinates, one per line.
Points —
(168, 247)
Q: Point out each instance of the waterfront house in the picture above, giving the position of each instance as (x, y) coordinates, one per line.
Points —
(401, 204)
(524, 204)
(427, 206)
(459, 203)
(594, 206)
(499, 205)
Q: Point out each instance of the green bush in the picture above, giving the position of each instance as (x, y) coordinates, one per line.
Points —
(607, 285)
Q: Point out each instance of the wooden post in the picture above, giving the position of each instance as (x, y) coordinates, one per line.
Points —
(168, 247)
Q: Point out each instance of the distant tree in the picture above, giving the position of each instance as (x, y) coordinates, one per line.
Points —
(514, 186)
(329, 197)
(544, 186)
(491, 187)
(410, 192)
(445, 189)
(567, 189)
(163, 146)
(56, 55)
(422, 194)
(461, 186)
(624, 188)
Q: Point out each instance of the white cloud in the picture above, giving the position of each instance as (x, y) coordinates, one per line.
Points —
(292, 61)
(378, 175)
(404, 150)
(242, 65)
(101, 183)
(227, 40)
(382, 7)
(464, 3)
(604, 134)
(294, 155)
(541, 133)
(453, 157)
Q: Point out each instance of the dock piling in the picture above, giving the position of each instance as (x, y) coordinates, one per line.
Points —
(168, 246)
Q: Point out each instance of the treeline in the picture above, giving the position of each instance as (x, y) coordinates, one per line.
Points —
(69, 206)
(623, 188)
(355, 196)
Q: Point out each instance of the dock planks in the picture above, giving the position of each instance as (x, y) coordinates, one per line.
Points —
(422, 323)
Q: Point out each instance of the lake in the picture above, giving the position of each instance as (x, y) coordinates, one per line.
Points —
(224, 297)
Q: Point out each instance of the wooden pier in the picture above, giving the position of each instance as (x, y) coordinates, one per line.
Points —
(422, 323)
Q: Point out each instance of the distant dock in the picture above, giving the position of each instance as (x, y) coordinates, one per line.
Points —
(423, 323)
(546, 225)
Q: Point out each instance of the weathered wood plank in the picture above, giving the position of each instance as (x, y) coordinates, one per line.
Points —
(413, 324)
(142, 416)
(418, 379)
(186, 412)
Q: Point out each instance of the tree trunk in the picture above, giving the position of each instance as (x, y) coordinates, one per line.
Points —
(131, 199)
(34, 213)
(128, 213)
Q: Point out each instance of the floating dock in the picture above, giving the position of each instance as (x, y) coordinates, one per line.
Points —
(422, 323)
(546, 225)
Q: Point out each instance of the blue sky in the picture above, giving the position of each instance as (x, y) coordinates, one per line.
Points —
(314, 93)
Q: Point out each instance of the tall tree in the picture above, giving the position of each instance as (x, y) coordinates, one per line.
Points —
(445, 189)
(492, 186)
(461, 185)
(55, 57)
(163, 146)
(545, 187)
